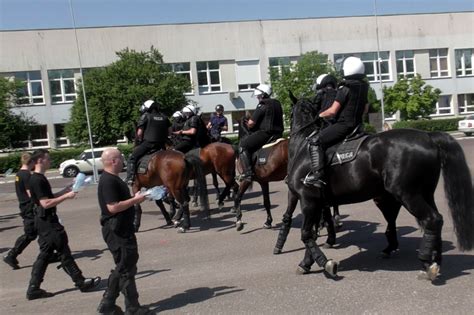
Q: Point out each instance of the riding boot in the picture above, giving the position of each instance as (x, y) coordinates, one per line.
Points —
(37, 274)
(84, 284)
(246, 162)
(130, 170)
(314, 178)
(107, 304)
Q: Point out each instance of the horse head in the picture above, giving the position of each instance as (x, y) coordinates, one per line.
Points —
(303, 113)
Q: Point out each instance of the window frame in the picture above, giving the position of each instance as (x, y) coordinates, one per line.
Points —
(188, 73)
(438, 108)
(438, 73)
(463, 68)
(209, 86)
(30, 97)
(465, 106)
(404, 59)
(375, 77)
(61, 81)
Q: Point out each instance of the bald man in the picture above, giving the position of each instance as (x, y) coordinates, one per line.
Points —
(117, 214)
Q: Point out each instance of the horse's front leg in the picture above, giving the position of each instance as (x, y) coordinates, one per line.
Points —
(165, 213)
(312, 215)
(329, 223)
(267, 205)
(286, 222)
(237, 202)
(216, 185)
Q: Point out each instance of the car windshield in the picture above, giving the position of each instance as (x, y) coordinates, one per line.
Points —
(470, 117)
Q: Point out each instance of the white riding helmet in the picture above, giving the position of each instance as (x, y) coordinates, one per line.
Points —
(148, 104)
(177, 114)
(262, 89)
(190, 109)
(353, 65)
(320, 78)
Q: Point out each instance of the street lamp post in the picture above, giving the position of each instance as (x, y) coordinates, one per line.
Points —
(379, 61)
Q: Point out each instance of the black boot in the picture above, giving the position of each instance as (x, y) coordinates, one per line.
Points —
(37, 274)
(130, 170)
(246, 162)
(11, 260)
(314, 178)
(84, 284)
(107, 304)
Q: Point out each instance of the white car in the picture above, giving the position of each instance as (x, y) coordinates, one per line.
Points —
(467, 125)
(83, 163)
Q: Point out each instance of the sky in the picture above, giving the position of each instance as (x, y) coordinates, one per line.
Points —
(47, 14)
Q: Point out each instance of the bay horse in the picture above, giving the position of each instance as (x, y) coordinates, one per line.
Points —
(274, 170)
(400, 167)
(174, 170)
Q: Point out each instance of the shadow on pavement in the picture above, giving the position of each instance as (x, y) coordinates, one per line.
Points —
(94, 254)
(191, 296)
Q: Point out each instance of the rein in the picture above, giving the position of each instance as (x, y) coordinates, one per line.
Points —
(304, 126)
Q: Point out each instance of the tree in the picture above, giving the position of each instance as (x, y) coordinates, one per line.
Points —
(411, 97)
(115, 93)
(299, 77)
(13, 127)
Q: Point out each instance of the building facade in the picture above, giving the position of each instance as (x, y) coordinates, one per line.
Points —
(224, 61)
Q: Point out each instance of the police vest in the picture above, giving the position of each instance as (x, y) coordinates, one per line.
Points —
(352, 112)
(156, 129)
(272, 120)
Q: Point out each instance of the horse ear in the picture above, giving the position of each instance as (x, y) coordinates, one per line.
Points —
(292, 97)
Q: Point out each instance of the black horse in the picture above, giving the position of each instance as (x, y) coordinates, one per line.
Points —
(394, 168)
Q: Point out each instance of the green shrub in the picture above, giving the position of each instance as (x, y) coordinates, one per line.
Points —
(450, 124)
(369, 128)
(126, 149)
(10, 161)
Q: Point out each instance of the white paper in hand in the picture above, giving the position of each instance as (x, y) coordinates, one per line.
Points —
(156, 193)
(81, 181)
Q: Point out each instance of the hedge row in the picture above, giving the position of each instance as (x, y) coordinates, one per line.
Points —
(450, 124)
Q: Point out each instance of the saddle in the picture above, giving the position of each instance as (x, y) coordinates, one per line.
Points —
(142, 165)
(346, 150)
(260, 157)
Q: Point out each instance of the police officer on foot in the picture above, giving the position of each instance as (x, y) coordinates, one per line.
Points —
(190, 129)
(217, 124)
(347, 111)
(117, 214)
(22, 189)
(51, 234)
(152, 132)
(265, 123)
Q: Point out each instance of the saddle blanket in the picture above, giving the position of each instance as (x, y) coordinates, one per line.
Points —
(143, 163)
(261, 156)
(346, 151)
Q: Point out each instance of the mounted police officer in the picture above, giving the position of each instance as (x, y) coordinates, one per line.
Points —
(265, 123)
(152, 133)
(346, 110)
(217, 124)
(189, 132)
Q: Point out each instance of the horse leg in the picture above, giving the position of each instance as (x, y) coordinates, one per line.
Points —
(183, 212)
(195, 194)
(431, 221)
(337, 217)
(311, 217)
(329, 223)
(237, 202)
(267, 205)
(286, 222)
(216, 185)
(390, 208)
(165, 213)
(225, 192)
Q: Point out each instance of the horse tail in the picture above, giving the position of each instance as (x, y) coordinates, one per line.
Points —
(457, 187)
(196, 164)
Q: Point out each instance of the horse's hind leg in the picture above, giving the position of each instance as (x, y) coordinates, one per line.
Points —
(337, 217)
(286, 222)
(237, 202)
(182, 198)
(195, 194)
(267, 205)
(329, 223)
(431, 221)
(390, 208)
(216, 185)
(165, 213)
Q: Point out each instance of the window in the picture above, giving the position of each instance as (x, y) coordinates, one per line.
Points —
(443, 106)
(371, 64)
(247, 74)
(32, 92)
(464, 61)
(406, 63)
(61, 139)
(278, 65)
(438, 62)
(182, 69)
(62, 86)
(209, 76)
(466, 103)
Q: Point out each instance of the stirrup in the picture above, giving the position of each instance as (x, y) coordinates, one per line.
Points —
(313, 182)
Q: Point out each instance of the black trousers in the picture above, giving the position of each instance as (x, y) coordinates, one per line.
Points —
(52, 237)
(255, 141)
(184, 146)
(29, 228)
(145, 147)
(333, 134)
(124, 251)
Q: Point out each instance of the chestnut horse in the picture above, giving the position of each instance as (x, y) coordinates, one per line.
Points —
(173, 170)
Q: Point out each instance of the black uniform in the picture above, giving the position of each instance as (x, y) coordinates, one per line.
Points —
(268, 118)
(352, 95)
(155, 127)
(178, 123)
(27, 213)
(189, 142)
(119, 234)
(52, 236)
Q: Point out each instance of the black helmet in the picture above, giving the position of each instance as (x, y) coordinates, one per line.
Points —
(329, 80)
(219, 108)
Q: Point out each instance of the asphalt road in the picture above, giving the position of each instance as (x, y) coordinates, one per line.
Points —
(213, 269)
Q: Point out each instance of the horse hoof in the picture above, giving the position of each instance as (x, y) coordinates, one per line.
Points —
(169, 222)
(276, 251)
(331, 268)
(195, 204)
(387, 253)
(232, 210)
(267, 226)
(239, 225)
(181, 230)
(302, 270)
(220, 205)
(176, 223)
(327, 245)
(431, 272)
